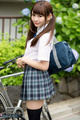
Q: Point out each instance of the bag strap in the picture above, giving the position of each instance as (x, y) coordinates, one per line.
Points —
(55, 40)
(55, 53)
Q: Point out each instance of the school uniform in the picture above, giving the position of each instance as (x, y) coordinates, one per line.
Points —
(37, 84)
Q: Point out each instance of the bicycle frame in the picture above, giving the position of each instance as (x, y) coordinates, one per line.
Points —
(4, 91)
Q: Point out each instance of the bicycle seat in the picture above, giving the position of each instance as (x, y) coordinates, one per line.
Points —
(1, 67)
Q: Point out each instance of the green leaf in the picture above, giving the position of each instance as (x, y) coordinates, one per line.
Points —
(15, 24)
(58, 81)
(72, 36)
(63, 9)
(65, 17)
(78, 67)
(19, 21)
(66, 31)
(20, 29)
(78, 29)
(23, 22)
(26, 26)
(78, 61)
(75, 26)
(59, 38)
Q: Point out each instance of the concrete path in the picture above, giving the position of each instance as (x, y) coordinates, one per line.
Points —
(71, 117)
(65, 110)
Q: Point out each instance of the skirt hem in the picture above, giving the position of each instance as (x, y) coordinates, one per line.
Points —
(38, 99)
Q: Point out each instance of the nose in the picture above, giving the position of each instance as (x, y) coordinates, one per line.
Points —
(36, 18)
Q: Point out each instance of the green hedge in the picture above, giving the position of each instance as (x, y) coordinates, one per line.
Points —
(10, 50)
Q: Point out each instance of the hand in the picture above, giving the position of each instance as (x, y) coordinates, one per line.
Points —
(23, 65)
(19, 62)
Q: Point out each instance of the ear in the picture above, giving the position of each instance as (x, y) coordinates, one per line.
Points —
(49, 16)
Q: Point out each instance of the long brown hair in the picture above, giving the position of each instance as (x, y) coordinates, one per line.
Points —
(44, 8)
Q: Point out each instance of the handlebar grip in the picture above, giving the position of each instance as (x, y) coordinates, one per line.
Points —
(1, 67)
(8, 61)
(12, 60)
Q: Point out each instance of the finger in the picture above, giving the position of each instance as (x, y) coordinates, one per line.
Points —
(19, 66)
(22, 66)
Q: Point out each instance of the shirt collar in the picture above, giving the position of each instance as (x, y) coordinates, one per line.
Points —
(40, 29)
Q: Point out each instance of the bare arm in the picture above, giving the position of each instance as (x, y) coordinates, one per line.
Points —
(43, 65)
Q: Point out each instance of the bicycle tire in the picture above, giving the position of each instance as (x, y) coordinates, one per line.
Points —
(3, 104)
(1, 94)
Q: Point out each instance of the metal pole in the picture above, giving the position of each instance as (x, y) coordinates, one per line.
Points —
(15, 74)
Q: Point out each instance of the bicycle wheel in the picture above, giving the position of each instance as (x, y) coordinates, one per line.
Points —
(3, 104)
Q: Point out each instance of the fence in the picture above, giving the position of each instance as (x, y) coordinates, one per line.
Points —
(7, 27)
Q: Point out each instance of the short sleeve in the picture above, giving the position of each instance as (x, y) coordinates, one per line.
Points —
(44, 48)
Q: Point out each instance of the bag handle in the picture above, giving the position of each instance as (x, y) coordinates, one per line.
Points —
(55, 53)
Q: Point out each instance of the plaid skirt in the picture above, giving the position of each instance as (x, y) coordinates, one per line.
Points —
(37, 85)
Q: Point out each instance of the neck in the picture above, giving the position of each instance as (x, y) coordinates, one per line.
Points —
(40, 29)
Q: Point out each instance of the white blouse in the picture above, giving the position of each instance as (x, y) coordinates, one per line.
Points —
(41, 51)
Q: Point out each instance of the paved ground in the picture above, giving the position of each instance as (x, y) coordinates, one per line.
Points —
(71, 117)
(64, 110)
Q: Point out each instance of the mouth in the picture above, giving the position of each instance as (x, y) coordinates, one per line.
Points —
(36, 23)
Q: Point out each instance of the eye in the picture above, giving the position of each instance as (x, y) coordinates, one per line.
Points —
(33, 14)
(40, 15)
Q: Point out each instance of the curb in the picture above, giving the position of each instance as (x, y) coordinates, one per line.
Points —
(64, 108)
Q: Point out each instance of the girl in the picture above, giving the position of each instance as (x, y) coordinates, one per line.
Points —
(37, 84)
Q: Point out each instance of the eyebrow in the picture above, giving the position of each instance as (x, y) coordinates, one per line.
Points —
(36, 13)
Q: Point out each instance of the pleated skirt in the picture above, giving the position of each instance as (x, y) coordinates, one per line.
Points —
(37, 85)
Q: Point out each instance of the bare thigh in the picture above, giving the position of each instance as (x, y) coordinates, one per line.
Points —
(34, 104)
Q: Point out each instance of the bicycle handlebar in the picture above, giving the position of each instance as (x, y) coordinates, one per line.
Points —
(1, 67)
(12, 59)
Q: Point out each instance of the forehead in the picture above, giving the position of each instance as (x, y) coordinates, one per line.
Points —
(39, 9)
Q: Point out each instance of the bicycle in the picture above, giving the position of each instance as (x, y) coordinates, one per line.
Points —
(7, 110)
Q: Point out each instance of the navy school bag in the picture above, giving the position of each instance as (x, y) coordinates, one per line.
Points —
(61, 57)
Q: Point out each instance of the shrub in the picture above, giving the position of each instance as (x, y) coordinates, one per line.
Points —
(10, 50)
